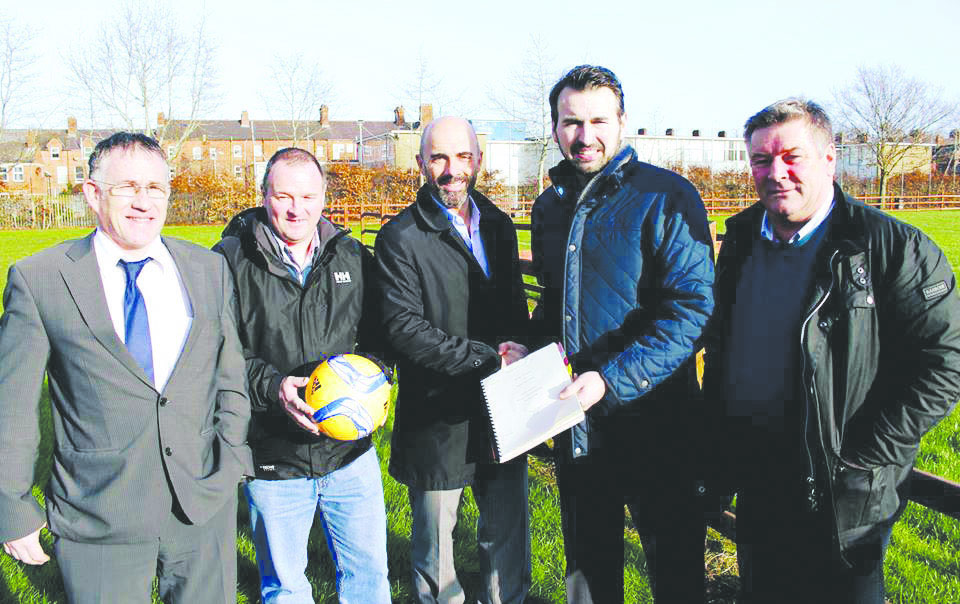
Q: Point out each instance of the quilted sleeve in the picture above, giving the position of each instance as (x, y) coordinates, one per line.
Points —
(665, 335)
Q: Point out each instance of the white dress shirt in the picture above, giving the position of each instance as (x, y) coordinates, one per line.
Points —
(470, 234)
(169, 312)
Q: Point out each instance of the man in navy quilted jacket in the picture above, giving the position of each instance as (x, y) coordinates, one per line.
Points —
(623, 252)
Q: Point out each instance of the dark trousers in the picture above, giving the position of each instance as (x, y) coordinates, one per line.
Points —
(193, 564)
(665, 507)
(785, 550)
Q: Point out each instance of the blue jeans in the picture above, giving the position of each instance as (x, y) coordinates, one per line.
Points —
(351, 507)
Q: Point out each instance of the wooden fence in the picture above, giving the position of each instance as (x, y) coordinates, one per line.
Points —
(929, 490)
(30, 211)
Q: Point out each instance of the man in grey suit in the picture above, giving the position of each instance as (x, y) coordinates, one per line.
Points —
(136, 334)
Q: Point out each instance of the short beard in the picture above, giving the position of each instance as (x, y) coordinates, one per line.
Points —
(453, 200)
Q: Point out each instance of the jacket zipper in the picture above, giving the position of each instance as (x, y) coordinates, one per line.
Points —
(812, 399)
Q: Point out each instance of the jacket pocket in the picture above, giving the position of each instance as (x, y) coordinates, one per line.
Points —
(863, 496)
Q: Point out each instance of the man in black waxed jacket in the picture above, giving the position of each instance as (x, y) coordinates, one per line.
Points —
(303, 293)
(834, 348)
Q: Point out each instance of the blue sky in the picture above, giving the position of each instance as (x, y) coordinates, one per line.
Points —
(697, 64)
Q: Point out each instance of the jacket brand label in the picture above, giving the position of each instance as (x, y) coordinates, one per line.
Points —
(268, 468)
(935, 291)
(344, 276)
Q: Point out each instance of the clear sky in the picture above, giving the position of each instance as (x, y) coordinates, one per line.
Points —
(683, 64)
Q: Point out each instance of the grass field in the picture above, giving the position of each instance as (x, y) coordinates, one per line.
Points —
(923, 564)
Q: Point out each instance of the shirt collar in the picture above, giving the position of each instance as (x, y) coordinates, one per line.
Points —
(287, 256)
(801, 236)
(110, 253)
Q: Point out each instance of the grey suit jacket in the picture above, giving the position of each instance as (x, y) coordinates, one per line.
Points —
(119, 444)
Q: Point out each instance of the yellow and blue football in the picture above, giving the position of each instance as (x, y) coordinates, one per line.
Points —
(350, 396)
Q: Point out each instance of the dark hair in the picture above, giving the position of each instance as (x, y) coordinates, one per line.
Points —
(124, 141)
(583, 77)
(788, 110)
(290, 155)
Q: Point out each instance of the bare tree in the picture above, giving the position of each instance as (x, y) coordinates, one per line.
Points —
(423, 85)
(528, 98)
(893, 112)
(297, 89)
(143, 61)
(15, 73)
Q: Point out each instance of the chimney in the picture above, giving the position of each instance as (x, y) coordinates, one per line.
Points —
(696, 133)
(669, 132)
(722, 134)
(161, 120)
(324, 116)
(398, 117)
(244, 119)
(641, 131)
(426, 114)
(71, 126)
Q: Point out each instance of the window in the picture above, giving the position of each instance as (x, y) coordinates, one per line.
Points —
(61, 175)
(87, 151)
(3, 173)
(237, 151)
(171, 151)
(238, 171)
(54, 152)
(321, 151)
(258, 150)
(18, 174)
(213, 153)
(77, 173)
(337, 150)
(197, 153)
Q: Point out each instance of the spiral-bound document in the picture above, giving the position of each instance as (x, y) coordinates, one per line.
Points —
(523, 405)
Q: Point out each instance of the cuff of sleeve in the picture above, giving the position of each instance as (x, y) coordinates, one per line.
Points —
(485, 361)
(274, 389)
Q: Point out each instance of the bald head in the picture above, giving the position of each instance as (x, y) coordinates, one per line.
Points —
(450, 159)
(444, 128)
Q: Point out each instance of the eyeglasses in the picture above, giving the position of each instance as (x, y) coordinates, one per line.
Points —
(132, 189)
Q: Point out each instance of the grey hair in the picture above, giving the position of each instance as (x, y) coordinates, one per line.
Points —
(124, 141)
(792, 109)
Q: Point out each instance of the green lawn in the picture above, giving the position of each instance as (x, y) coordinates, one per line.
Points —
(923, 564)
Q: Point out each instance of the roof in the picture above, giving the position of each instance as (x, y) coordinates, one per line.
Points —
(283, 129)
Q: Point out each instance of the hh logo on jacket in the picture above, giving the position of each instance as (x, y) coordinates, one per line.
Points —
(341, 277)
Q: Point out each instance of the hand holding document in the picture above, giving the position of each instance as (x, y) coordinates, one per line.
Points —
(523, 402)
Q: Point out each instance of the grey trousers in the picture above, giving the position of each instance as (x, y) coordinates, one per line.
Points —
(503, 538)
(193, 563)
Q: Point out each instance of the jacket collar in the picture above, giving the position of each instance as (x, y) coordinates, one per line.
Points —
(565, 177)
(845, 231)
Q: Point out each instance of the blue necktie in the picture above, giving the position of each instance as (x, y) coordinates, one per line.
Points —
(135, 318)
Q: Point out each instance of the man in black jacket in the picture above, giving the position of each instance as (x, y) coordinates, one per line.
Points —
(835, 346)
(302, 293)
(452, 299)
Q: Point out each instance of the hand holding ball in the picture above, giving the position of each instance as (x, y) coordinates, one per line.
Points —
(350, 396)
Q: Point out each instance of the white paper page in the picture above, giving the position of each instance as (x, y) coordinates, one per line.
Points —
(523, 401)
